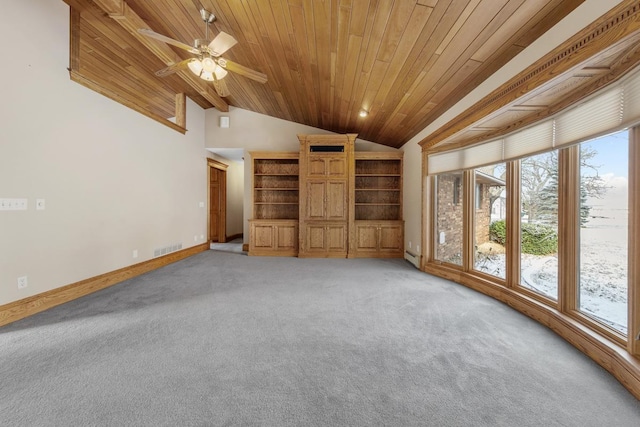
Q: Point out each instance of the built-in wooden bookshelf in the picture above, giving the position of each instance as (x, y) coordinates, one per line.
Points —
(327, 201)
(274, 227)
(275, 185)
(378, 186)
(378, 228)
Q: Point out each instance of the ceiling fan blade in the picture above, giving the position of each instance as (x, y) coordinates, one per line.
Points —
(150, 33)
(222, 43)
(221, 87)
(242, 70)
(174, 68)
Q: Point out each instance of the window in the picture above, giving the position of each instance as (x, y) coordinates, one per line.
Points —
(490, 220)
(603, 217)
(556, 236)
(539, 224)
(448, 219)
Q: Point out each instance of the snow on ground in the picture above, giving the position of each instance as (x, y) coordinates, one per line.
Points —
(603, 267)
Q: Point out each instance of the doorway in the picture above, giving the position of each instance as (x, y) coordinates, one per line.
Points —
(217, 201)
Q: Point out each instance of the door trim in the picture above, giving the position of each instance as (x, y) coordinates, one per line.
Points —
(222, 223)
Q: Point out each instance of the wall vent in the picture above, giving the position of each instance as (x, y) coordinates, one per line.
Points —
(167, 250)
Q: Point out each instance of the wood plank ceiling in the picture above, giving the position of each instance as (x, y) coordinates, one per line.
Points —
(404, 61)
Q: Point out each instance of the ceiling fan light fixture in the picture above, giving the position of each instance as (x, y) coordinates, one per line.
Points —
(207, 76)
(209, 65)
(195, 66)
(220, 72)
(206, 69)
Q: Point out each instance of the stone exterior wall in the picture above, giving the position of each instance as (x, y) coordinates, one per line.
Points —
(483, 216)
(449, 219)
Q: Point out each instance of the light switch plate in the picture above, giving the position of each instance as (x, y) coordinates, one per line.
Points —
(13, 204)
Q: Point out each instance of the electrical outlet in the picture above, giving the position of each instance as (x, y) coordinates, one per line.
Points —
(201, 204)
(22, 282)
(135, 253)
(409, 244)
(195, 238)
(202, 237)
(418, 248)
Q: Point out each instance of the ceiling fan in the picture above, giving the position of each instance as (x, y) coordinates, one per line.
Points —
(208, 64)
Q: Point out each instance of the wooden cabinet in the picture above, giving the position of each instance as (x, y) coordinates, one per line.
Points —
(327, 165)
(377, 199)
(327, 201)
(274, 227)
(326, 239)
(273, 237)
(379, 239)
(326, 169)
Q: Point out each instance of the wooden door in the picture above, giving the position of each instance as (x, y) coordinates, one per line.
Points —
(217, 202)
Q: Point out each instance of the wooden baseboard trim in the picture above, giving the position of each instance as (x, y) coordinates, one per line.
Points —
(607, 353)
(245, 247)
(34, 304)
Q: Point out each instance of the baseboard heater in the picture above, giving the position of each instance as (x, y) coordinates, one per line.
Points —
(413, 259)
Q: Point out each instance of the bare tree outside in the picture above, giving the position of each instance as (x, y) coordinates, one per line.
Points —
(539, 180)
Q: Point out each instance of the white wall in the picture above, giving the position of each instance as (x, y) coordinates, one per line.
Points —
(235, 197)
(251, 131)
(412, 198)
(113, 180)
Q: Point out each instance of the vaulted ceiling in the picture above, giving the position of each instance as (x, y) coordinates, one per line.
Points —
(404, 61)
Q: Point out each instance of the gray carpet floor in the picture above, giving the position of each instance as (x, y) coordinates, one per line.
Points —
(229, 340)
(232, 246)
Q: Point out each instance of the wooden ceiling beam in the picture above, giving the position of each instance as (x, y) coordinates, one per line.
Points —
(120, 12)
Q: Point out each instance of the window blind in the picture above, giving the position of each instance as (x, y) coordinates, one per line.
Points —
(609, 110)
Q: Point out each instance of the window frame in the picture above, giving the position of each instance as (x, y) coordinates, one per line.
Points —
(568, 244)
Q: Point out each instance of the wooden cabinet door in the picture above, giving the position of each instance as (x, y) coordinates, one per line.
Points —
(315, 238)
(326, 200)
(273, 237)
(390, 238)
(367, 238)
(316, 167)
(287, 237)
(327, 166)
(336, 167)
(262, 236)
(379, 239)
(325, 239)
(336, 237)
(316, 200)
(336, 204)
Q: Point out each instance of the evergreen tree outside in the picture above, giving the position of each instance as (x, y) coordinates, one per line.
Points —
(539, 193)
